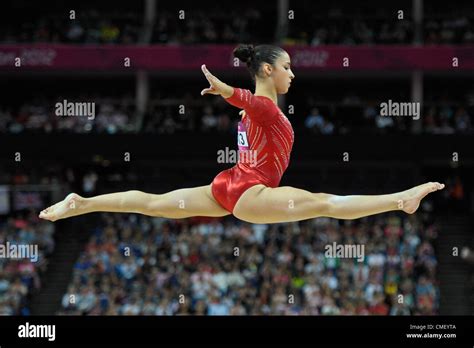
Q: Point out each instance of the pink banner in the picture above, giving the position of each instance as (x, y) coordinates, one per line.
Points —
(166, 58)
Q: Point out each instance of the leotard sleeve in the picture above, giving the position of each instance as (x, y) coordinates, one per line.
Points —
(259, 109)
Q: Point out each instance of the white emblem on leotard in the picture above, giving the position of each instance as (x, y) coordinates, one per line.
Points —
(242, 140)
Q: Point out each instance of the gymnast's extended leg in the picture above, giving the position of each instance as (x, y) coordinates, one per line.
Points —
(261, 204)
(177, 204)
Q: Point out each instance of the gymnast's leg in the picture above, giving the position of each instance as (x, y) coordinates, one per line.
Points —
(177, 204)
(261, 204)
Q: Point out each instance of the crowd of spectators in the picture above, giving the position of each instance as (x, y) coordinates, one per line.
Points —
(136, 265)
(215, 25)
(336, 29)
(182, 26)
(111, 115)
(85, 27)
(458, 30)
(357, 112)
(20, 278)
(447, 120)
(338, 23)
(182, 113)
(171, 115)
(228, 27)
(448, 24)
(346, 31)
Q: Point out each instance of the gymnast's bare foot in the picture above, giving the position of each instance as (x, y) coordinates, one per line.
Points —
(410, 199)
(70, 206)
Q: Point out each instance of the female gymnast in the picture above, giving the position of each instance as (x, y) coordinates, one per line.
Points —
(249, 192)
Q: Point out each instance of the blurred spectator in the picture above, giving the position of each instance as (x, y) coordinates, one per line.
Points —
(209, 120)
(89, 182)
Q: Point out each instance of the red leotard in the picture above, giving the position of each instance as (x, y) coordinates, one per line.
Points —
(270, 139)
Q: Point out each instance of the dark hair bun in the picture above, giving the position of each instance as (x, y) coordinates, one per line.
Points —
(245, 53)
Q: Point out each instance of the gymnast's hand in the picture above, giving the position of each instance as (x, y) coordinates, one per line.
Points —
(217, 87)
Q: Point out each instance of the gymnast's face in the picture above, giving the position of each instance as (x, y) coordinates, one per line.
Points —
(280, 73)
